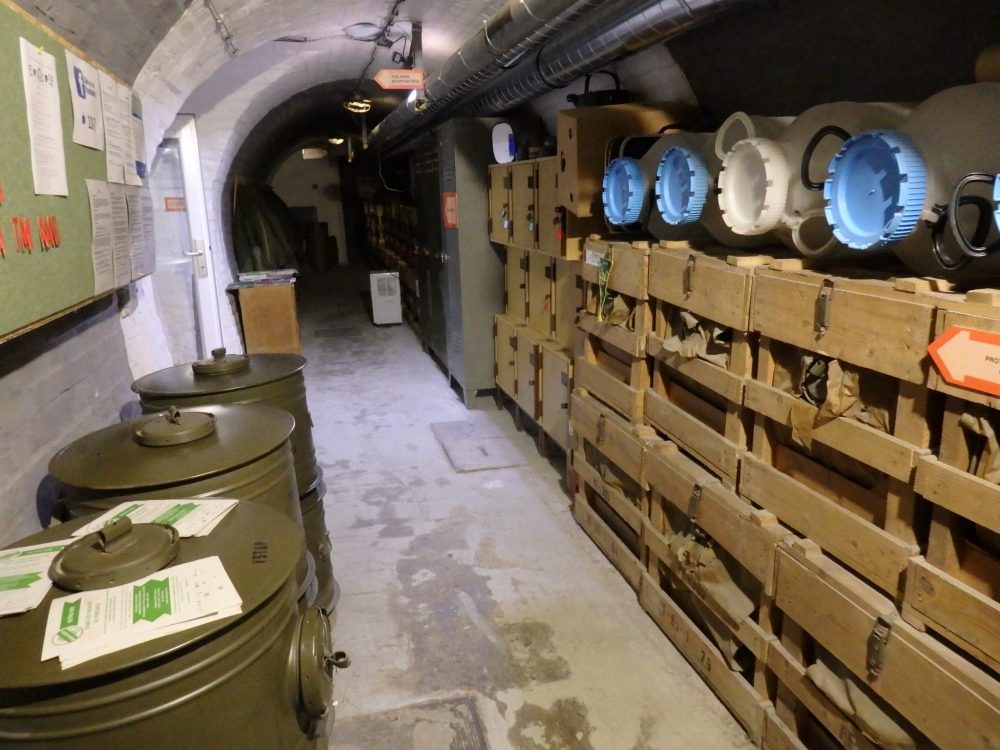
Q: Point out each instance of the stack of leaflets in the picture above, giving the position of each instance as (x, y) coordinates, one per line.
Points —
(24, 575)
(189, 517)
(91, 624)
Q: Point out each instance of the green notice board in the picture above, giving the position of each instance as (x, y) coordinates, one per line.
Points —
(44, 283)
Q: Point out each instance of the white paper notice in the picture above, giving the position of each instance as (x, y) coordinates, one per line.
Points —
(41, 93)
(190, 517)
(24, 575)
(148, 233)
(594, 258)
(85, 93)
(136, 238)
(121, 248)
(137, 174)
(113, 128)
(128, 145)
(95, 623)
(101, 246)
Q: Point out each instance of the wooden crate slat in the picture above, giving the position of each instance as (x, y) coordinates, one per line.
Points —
(959, 613)
(694, 435)
(625, 399)
(887, 453)
(614, 497)
(960, 492)
(623, 443)
(607, 541)
(629, 342)
(873, 552)
(727, 384)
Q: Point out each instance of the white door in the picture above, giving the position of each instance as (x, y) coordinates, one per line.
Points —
(186, 293)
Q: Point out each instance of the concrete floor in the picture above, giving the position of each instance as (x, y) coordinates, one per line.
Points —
(476, 612)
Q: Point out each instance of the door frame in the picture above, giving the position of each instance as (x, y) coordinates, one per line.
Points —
(206, 294)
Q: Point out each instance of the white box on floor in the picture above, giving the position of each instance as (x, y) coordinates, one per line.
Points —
(386, 304)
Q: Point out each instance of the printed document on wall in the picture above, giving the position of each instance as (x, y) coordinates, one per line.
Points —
(136, 175)
(120, 240)
(102, 249)
(85, 93)
(129, 156)
(140, 240)
(113, 128)
(41, 94)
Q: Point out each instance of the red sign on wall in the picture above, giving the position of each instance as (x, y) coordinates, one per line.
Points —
(449, 210)
(174, 203)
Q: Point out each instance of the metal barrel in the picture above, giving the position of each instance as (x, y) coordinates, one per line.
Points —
(230, 683)
(246, 456)
(318, 542)
(272, 379)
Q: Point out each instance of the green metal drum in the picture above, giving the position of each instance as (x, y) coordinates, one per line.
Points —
(318, 542)
(260, 679)
(273, 379)
(240, 452)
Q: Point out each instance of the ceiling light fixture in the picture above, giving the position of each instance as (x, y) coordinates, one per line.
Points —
(336, 141)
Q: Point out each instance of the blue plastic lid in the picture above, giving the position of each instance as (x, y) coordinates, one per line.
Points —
(875, 190)
(624, 194)
(681, 186)
(996, 201)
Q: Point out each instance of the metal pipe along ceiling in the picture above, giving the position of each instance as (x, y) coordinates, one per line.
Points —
(618, 29)
(517, 28)
(607, 31)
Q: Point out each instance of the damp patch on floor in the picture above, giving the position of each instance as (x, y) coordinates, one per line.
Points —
(476, 445)
(449, 724)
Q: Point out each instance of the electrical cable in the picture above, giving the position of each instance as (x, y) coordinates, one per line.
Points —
(974, 248)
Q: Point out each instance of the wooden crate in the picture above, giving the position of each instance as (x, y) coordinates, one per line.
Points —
(516, 284)
(505, 354)
(695, 401)
(883, 325)
(625, 444)
(951, 701)
(611, 506)
(529, 371)
(804, 716)
(557, 379)
(612, 364)
(739, 696)
(523, 207)
(541, 278)
(560, 232)
(842, 475)
(567, 290)
(581, 137)
(955, 589)
(269, 319)
(500, 213)
(687, 501)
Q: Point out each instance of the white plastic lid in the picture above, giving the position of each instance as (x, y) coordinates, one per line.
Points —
(753, 186)
(504, 143)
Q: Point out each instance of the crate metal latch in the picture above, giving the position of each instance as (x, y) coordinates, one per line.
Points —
(822, 313)
(877, 641)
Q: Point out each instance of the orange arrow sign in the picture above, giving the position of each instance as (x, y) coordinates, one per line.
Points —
(393, 79)
(969, 358)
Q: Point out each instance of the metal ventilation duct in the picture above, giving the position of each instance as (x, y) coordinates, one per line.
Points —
(616, 30)
(517, 28)
(603, 32)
